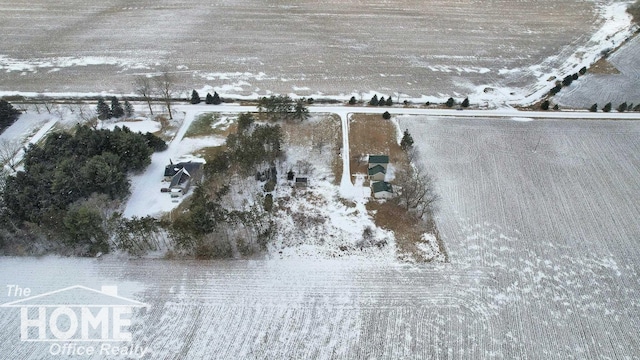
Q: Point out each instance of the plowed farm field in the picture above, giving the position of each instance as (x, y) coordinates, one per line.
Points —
(435, 48)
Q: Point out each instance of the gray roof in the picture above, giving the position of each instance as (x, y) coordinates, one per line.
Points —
(377, 169)
(172, 169)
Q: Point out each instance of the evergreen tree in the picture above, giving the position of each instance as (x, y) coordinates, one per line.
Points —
(556, 107)
(594, 107)
(128, 109)
(195, 97)
(583, 70)
(386, 115)
(8, 114)
(607, 107)
(300, 111)
(567, 80)
(574, 76)
(465, 102)
(389, 101)
(622, 107)
(103, 110)
(545, 105)
(209, 99)
(382, 101)
(556, 89)
(216, 99)
(450, 102)
(352, 101)
(374, 100)
(116, 109)
(636, 108)
(407, 140)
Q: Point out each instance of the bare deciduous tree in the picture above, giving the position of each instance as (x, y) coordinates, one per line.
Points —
(144, 88)
(165, 84)
(415, 191)
(46, 101)
(8, 151)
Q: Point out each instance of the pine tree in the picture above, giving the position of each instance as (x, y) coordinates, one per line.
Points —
(382, 101)
(389, 101)
(352, 101)
(594, 107)
(195, 97)
(545, 105)
(450, 102)
(407, 140)
(116, 109)
(622, 107)
(556, 107)
(386, 115)
(374, 100)
(8, 114)
(103, 110)
(583, 70)
(607, 107)
(209, 99)
(128, 109)
(300, 112)
(216, 99)
(465, 103)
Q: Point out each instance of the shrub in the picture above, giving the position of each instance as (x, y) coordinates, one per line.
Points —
(450, 102)
(622, 107)
(556, 89)
(574, 76)
(386, 115)
(352, 101)
(545, 105)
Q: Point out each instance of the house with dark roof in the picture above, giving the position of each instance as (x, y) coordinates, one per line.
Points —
(378, 167)
(182, 175)
(382, 190)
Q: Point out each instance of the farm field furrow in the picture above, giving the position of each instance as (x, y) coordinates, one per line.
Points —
(304, 47)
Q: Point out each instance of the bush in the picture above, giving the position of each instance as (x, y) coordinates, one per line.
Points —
(352, 101)
(567, 80)
(607, 107)
(634, 11)
(268, 202)
(622, 107)
(386, 115)
(450, 102)
(545, 105)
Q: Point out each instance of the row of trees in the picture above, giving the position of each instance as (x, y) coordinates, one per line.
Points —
(116, 110)
(283, 107)
(161, 86)
(621, 108)
(210, 99)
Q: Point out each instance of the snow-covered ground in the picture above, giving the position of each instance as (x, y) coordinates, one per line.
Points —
(411, 50)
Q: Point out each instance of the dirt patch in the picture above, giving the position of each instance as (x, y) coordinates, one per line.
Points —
(603, 67)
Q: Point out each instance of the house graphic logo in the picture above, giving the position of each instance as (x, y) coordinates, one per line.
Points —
(76, 314)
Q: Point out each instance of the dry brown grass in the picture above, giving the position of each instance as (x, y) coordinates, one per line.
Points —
(604, 67)
(371, 134)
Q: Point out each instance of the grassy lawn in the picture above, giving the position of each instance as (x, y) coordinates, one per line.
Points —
(212, 124)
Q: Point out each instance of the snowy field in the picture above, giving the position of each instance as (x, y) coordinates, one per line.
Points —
(604, 88)
(540, 221)
(423, 50)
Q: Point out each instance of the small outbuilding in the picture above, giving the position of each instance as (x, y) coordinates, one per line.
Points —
(382, 190)
(301, 182)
